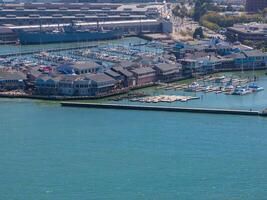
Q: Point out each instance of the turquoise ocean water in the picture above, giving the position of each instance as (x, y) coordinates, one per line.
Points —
(50, 152)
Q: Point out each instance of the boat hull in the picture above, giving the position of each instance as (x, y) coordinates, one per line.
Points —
(27, 38)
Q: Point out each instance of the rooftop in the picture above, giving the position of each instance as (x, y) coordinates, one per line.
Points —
(12, 75)
(235, 56)
(167, 67)
(112, 73)
(100, 78)
(255, 53)
(123, 71)
(82, 65)
(251, 28)
(143, 70)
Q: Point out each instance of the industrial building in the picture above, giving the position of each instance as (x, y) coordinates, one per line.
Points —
(128, 27)
(130, 19)
(55, 13)
(253, 32)
(255, 5)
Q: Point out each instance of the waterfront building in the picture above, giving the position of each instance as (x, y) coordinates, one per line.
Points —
(79, 68)
(227, 63)
(168, 72)
(66, 86)
(46, 85)
(252, 31)
(200, 64)
(255, 59)
(129, 19)
(12, 80)
(255, 5)
(114, 75)
(127, 64)
(74, 85)
(145, 61)
(223, 49)
(101, 83)
(128, 78)
(118, 77)
(144, 75)
(208, 56)
(57, 13)
(7, 35)
(33, 74)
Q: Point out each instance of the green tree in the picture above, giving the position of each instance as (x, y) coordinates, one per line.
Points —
(201, 7)
(198, 33)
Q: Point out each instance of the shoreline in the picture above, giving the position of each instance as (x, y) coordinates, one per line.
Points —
(103, 96)
(67, 98)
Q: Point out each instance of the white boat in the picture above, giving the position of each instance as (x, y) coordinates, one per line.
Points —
(192, 87)
(241, 91)
(255, 88)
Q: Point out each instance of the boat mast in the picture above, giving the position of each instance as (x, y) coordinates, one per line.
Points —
(97, 24)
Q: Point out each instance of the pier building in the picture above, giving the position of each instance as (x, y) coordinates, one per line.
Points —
(144, 75)
(252, 31)
(79, 68)
(168, 72)
(74, 85)
(129, 79)
(101, 83)
(12, 80)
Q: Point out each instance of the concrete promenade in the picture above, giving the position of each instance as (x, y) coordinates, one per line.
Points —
(163, 108)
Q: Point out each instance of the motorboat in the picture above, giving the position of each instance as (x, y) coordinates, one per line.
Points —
(192, 87)
(255, 88)
(239, 90)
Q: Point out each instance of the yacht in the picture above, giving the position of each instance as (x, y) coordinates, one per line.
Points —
(239, 90)
(192, 87)
(255, 88)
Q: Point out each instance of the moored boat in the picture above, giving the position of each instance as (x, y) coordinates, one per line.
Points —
(239, 90)
(255, 88)
(192, 87)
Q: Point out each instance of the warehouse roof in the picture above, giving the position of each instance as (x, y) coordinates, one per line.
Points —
(167, 67)
(143, 70)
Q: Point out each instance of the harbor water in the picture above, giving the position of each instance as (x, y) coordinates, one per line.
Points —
(255, 101)
(53, 152)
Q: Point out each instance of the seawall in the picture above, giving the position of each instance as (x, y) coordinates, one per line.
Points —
(163, 108)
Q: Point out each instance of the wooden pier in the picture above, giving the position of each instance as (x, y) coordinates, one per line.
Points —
(163, 108)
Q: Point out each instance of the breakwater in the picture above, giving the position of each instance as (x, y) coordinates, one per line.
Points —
(164, 108)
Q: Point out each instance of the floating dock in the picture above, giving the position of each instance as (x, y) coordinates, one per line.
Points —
(163, 108)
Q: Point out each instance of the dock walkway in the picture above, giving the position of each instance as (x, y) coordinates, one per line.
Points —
(163, 108)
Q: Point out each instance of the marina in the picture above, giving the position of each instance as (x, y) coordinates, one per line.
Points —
(223, 84)
(21, 53)
(131, 54)
(115, 100)
(215, 99)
